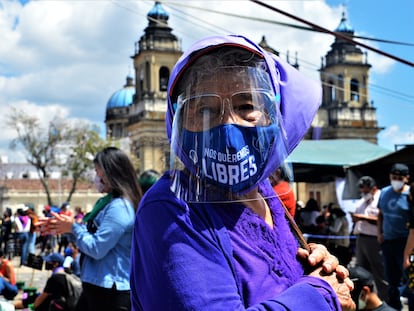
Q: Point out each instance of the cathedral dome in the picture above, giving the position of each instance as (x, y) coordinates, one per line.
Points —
(123, 97)
(158, 12)
(344, 25)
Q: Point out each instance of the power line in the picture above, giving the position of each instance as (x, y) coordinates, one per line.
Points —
(336, 34)
(213, 25)
(269, 21)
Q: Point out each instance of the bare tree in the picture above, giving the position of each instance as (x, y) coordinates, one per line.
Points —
(46, 147)
(84, 142)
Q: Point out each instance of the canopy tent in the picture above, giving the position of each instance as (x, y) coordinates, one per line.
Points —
(324, 160)
(378, 169)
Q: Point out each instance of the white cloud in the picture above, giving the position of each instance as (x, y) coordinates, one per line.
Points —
(394, 135)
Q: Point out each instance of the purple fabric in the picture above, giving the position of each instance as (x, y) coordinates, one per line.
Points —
(300, 96)
(24, 220)
(217, 257)
(265, 259)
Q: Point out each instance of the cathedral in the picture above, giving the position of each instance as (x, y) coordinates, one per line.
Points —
(346, 111)
(136, 112)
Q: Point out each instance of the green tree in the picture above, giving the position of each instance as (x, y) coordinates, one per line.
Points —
(70, 147)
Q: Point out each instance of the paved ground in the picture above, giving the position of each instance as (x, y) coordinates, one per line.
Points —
(32, 277)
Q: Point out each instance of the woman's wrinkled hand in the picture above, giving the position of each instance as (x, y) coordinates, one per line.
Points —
(318, 256)
(342, 287)
(319, 262)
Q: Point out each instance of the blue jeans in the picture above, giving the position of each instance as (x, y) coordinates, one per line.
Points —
(8, 290)
(32, 242)
(23, 238)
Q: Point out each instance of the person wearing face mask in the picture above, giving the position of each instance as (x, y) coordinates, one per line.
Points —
(104, 237)
(211, 233)
(392, 228)
(364, 293)
(368, 250)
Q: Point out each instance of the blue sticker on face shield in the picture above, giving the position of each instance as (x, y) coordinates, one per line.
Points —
(229, 156)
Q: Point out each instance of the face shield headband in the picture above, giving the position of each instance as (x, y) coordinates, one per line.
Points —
(225, 128)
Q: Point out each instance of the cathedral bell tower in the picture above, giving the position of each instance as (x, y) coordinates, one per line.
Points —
(156, 53)
(346, 111)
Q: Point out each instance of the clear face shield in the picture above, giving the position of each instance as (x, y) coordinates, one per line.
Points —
(226, 128)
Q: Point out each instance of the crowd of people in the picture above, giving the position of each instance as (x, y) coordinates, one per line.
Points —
(382, 228)
(20, 237)
(220, 229)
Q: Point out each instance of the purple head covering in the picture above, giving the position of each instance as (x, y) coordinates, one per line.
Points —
(300, 96)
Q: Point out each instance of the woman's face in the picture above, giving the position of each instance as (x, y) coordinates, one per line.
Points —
(225, 100)
(104, 181)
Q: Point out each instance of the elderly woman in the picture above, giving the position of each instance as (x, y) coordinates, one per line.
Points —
(212, 234)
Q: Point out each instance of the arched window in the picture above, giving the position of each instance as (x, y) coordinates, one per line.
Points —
(340, 91)
(331, 91)
(354, 90)
(141, 82)
(164, 76)
(147, 77)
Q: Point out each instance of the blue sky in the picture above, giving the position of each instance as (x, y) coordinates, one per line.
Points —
(67, 57)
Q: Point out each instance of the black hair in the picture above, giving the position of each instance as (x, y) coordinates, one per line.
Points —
(367, 181)
(8, 212)
(361, 277)
(280, 174)
(148, 178)
(312, 205)
(337, 211)
(120, 174)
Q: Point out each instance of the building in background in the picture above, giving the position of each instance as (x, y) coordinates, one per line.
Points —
(20, 184)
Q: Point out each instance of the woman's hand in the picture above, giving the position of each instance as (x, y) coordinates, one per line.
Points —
(322, 264)
(55, 225)
(42, 226)
(342, 287)
(319, 256)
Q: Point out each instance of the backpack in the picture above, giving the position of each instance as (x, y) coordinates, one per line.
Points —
(74, 290)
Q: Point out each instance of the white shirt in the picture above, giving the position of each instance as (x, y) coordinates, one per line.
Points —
(19, 225)
(367, 208)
